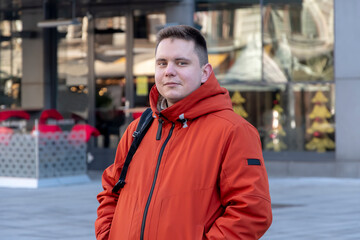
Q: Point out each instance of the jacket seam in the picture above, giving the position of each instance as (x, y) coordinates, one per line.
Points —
(226, 119)
(257, 196)
(244, 122)
(249, 195)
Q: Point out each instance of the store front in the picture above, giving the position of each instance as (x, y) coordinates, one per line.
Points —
(111, 65)
(274, 57)
(276, 60)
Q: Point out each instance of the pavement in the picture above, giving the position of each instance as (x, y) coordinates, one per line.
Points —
(303, 209)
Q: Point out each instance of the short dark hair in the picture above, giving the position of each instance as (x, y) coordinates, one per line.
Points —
(186, 33)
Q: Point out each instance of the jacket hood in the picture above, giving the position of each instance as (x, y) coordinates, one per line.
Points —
(209, 97)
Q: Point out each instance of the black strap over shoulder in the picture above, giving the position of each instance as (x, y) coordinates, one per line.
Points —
(141, 129)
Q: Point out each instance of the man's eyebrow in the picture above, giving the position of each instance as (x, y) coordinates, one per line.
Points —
(182, 59)
(176, 59)
(160, 59)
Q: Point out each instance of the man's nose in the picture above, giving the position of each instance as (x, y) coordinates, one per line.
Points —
(170, 70)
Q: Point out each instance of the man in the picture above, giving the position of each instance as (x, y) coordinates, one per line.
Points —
(199, 171)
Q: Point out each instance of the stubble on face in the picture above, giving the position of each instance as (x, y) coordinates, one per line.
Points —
(177, 72)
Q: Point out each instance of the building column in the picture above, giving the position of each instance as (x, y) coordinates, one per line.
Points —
(347, 79)
(50, 46)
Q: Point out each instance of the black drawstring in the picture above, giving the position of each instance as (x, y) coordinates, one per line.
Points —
(158, 134)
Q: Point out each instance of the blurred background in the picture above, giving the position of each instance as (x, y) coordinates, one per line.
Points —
(290, 67)
(75, 73)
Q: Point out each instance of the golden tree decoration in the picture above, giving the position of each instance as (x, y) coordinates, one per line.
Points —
(320, 127)
(237, 101)
(276, 133)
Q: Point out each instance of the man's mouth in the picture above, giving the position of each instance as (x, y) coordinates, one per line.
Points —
(171, 84)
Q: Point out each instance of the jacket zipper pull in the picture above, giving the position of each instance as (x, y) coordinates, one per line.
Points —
(158, 134)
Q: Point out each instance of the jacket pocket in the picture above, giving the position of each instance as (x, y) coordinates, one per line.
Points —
(123, 219)
(182, 217)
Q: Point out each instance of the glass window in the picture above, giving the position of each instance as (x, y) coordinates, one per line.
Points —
(289, 117)
(318, 106)
(10, 63)
(234, 43)
(110, 70)
(72, 99)
(110, 67)
(144, 55)
(298, 45)
(299, 38)
(277, 64)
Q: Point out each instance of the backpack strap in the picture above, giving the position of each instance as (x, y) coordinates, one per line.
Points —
(141, 129)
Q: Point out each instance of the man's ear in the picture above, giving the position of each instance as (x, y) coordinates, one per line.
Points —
(206, 72)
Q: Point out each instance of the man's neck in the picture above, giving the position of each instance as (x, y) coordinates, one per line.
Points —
(162, 103)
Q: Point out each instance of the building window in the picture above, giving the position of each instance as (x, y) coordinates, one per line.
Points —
(144, 54)
(299, 39)
(10, 63)
(276, 60)
(72, 99)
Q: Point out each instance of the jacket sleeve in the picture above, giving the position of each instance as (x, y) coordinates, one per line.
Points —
(244, 188)
(107, 198)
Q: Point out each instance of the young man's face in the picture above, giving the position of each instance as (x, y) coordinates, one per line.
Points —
(178, 72)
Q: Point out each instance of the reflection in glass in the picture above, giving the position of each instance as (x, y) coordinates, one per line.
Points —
(110, 70)
(110, 67)
(299, 39)
(267, 108)
(234, 43)
(144, 55)
(10, 64)
(260, 69)
(72, 93)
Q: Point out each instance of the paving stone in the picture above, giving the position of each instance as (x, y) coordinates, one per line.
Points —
(303, 208)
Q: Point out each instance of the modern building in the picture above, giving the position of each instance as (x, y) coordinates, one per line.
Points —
(290, 67)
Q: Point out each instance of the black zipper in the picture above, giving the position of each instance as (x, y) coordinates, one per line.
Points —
(154, 182)
(158, 134)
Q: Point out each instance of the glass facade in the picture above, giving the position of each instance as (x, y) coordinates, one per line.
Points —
(299, 39)
(72, 87)
(10, 63)
(144, 54)
(110, 68)
(275, 58)
(112, 99)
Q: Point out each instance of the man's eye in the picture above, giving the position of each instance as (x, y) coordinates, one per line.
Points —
(182, 63)
(161, 63)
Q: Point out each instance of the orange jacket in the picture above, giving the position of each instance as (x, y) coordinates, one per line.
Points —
(204, 178)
